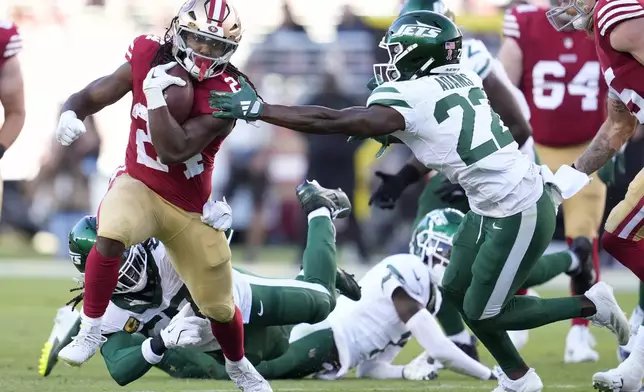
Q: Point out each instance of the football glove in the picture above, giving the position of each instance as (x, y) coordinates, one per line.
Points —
(384, 140)
(184, 330)
(243, 104)
(217, 214)
(158, 80)
(420, 369)
(450, 193)
(69, 128)
(612, 170)
(388, 192)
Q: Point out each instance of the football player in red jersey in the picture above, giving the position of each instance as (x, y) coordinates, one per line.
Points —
(168, 177)
(617, 27)
(11, 87)
(559, 75)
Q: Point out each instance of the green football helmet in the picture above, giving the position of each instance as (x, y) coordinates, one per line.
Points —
(433, 238)
(133, 270)
(437, 6)
(417, 43)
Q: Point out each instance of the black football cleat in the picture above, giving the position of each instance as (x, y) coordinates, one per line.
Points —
(313, 196)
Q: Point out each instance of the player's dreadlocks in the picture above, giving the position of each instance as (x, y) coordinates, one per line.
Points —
(164, 55)
(77, 299)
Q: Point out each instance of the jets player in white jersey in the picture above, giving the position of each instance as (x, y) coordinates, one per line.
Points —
(439, 110)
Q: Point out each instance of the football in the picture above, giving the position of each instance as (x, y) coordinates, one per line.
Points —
(179, 99)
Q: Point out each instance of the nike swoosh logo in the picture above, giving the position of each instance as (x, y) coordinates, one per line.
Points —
(470, 53)
(494, 226)
(261, 309)
(416, 276)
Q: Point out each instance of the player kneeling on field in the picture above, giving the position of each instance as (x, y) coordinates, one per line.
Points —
(149, 321)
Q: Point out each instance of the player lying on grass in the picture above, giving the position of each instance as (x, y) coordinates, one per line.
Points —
(147, 323)
(440, 111)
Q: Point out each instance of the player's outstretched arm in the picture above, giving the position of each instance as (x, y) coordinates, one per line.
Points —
(13, 102)
(618, 127)
(505, 104)
(375, 120)
(100, 93)
(424, 327)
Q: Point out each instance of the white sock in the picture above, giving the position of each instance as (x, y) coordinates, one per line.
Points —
(636, 359)
(322, 211)
(90, 323)
(574, 263)
(462, 337)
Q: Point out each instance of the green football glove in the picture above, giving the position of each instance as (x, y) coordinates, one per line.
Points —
(244, 104)
(613, 169)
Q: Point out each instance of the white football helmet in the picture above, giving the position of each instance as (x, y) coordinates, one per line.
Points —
(205, 34)
(567, 13)
(133, 274)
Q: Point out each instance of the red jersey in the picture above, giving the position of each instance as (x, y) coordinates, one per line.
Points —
(10, 41)
(561, 78)
(186, 185)
(624, 75)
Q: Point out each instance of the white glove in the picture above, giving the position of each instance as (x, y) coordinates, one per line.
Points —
(184, 330)
(217, 214)
(420, 369)
(69, 128)
(158, 80)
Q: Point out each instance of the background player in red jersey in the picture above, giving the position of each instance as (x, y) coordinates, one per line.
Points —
(11, 87)
(617, 27)
(168, 177)
(558, 72)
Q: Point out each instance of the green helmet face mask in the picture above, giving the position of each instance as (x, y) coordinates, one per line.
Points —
(418, 42)
(133, 269)
(433, 238)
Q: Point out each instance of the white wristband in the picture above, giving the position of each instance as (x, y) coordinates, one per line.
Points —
(154, 98)
(149, 355)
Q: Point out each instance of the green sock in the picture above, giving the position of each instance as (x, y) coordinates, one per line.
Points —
(548, 267)
(319, 264)
(450, 319)
(526, 312)
(641, 303)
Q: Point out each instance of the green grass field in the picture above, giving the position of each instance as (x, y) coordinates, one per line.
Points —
(29, 305)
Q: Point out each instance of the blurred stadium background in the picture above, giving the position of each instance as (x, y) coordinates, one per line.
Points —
(295, 51)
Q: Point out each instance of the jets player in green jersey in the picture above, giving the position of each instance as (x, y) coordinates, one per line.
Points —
(428, 101)
(149, 321)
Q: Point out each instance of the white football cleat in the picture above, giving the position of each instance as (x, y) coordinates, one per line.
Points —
(246, 377)
(609, 314)
(616, 380)
(579, 346)
(66, 325)
(85, 344)
(530, 382)
(637, 318)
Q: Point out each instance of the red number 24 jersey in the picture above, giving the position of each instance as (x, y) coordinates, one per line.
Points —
(187, 185)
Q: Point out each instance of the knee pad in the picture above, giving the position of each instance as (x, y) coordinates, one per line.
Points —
(222, 313)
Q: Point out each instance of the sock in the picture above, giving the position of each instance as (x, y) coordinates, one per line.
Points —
(582, 321)
(636, 359)
(574, 261)
(230, 336)
(322, 211)
(627, 252)
(93, 324)
(101, 276)
(462, 337)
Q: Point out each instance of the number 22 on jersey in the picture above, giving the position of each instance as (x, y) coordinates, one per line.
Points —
(194, 165)
(500, 137)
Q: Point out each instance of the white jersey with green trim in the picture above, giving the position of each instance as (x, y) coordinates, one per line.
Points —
(365, 329)
(151, 310)
(450, 127)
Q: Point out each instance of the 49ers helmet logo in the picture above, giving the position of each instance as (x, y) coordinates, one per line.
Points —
(417, 30)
